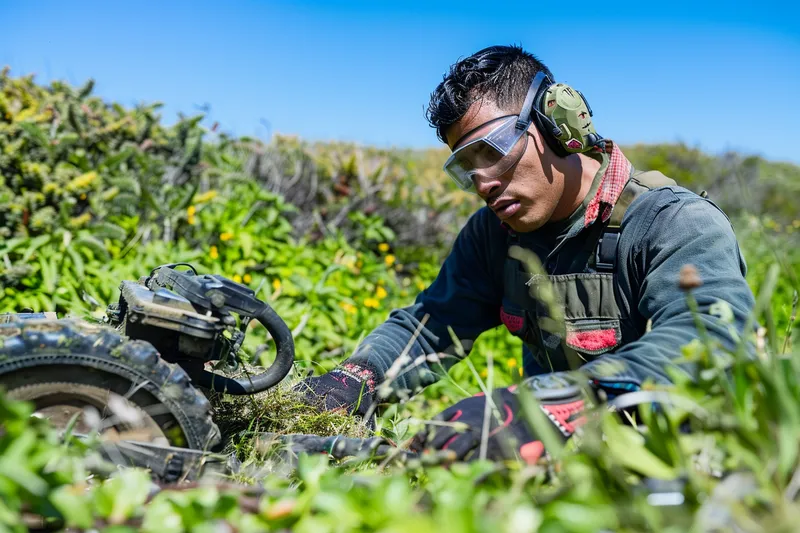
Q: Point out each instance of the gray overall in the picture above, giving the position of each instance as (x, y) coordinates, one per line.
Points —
(569, 319)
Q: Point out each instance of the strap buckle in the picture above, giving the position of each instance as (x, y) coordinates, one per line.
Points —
(605, 259)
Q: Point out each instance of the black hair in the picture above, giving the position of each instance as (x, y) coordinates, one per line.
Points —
(503, 73)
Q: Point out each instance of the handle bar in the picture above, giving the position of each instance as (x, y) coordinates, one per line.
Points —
(284, 358)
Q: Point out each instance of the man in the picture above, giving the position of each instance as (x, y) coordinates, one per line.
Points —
(610, 242)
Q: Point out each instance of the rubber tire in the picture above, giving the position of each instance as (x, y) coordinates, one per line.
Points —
(37, 351)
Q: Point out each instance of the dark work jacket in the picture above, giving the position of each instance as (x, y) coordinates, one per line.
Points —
(662, 230)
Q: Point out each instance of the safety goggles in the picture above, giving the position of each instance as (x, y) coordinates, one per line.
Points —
(494, 153)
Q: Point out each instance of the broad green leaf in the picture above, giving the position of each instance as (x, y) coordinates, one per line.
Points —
(627, 447)
(246, 241)
(161, 516)
(120, 498)
(74, 504)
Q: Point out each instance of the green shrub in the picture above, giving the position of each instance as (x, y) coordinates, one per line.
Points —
(334, 236)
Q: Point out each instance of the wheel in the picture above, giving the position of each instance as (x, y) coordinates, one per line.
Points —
(65, 366)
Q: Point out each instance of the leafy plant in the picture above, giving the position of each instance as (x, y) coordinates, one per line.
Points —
(334, 236)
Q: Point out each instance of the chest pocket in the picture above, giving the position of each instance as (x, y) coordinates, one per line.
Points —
(591, 315)
(565, 320)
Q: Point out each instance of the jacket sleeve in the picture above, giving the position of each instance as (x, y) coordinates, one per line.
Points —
(466, 295)
(667, 229)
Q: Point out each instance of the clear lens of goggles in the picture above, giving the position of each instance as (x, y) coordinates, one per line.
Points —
(490, 155)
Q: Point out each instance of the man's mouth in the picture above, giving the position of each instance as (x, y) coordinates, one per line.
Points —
(504, 207)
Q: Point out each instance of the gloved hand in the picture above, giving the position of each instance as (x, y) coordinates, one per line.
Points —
(348, 387)
(559, 395)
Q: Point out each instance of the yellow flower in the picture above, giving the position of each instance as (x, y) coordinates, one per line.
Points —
(371, 302)
(191, 210)
(79, 221)
(237, 278)
(389, 260)
(520, 371)
(276, 284)
(226, 236)
(214, 253)
(205, 197)
(381, 293)
(191, 220)
(383, 247)
(247, 278)
(83, 196)
(484, 373)
(348, 307)
(512, 363)
(420, 285)
(82, 181)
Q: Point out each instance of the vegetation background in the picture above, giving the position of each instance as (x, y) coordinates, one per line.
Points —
(334, 236)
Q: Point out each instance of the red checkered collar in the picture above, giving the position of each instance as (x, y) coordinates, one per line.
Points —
(613, 181)
(611, 184)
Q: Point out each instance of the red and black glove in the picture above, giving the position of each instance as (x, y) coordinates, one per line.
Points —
(349, 387)
(510, 436)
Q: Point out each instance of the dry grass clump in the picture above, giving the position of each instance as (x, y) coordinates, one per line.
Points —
(280, 410)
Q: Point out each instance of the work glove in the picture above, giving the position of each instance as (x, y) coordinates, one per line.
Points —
(349, 387)
(560, 396)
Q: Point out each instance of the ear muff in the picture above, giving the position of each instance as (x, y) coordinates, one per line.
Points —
(564, 119)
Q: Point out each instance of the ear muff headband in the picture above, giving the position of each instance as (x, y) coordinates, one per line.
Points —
(563, 117)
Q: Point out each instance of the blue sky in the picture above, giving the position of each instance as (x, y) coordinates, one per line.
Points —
(716, 75)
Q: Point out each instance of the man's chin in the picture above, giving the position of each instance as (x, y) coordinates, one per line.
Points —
(524, 224)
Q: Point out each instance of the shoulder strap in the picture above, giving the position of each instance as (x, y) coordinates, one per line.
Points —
(640, 182)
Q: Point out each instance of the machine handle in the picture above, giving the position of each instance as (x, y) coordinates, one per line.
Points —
(284, 358)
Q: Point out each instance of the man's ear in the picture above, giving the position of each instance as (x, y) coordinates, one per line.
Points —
(538, 142)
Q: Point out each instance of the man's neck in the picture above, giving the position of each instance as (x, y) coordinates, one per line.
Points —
(579, 172)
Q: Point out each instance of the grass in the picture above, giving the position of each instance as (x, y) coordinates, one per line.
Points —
(717, 453)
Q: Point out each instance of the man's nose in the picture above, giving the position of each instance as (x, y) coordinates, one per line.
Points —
(484, 186)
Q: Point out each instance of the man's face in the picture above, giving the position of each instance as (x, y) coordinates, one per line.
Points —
(527, 194)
